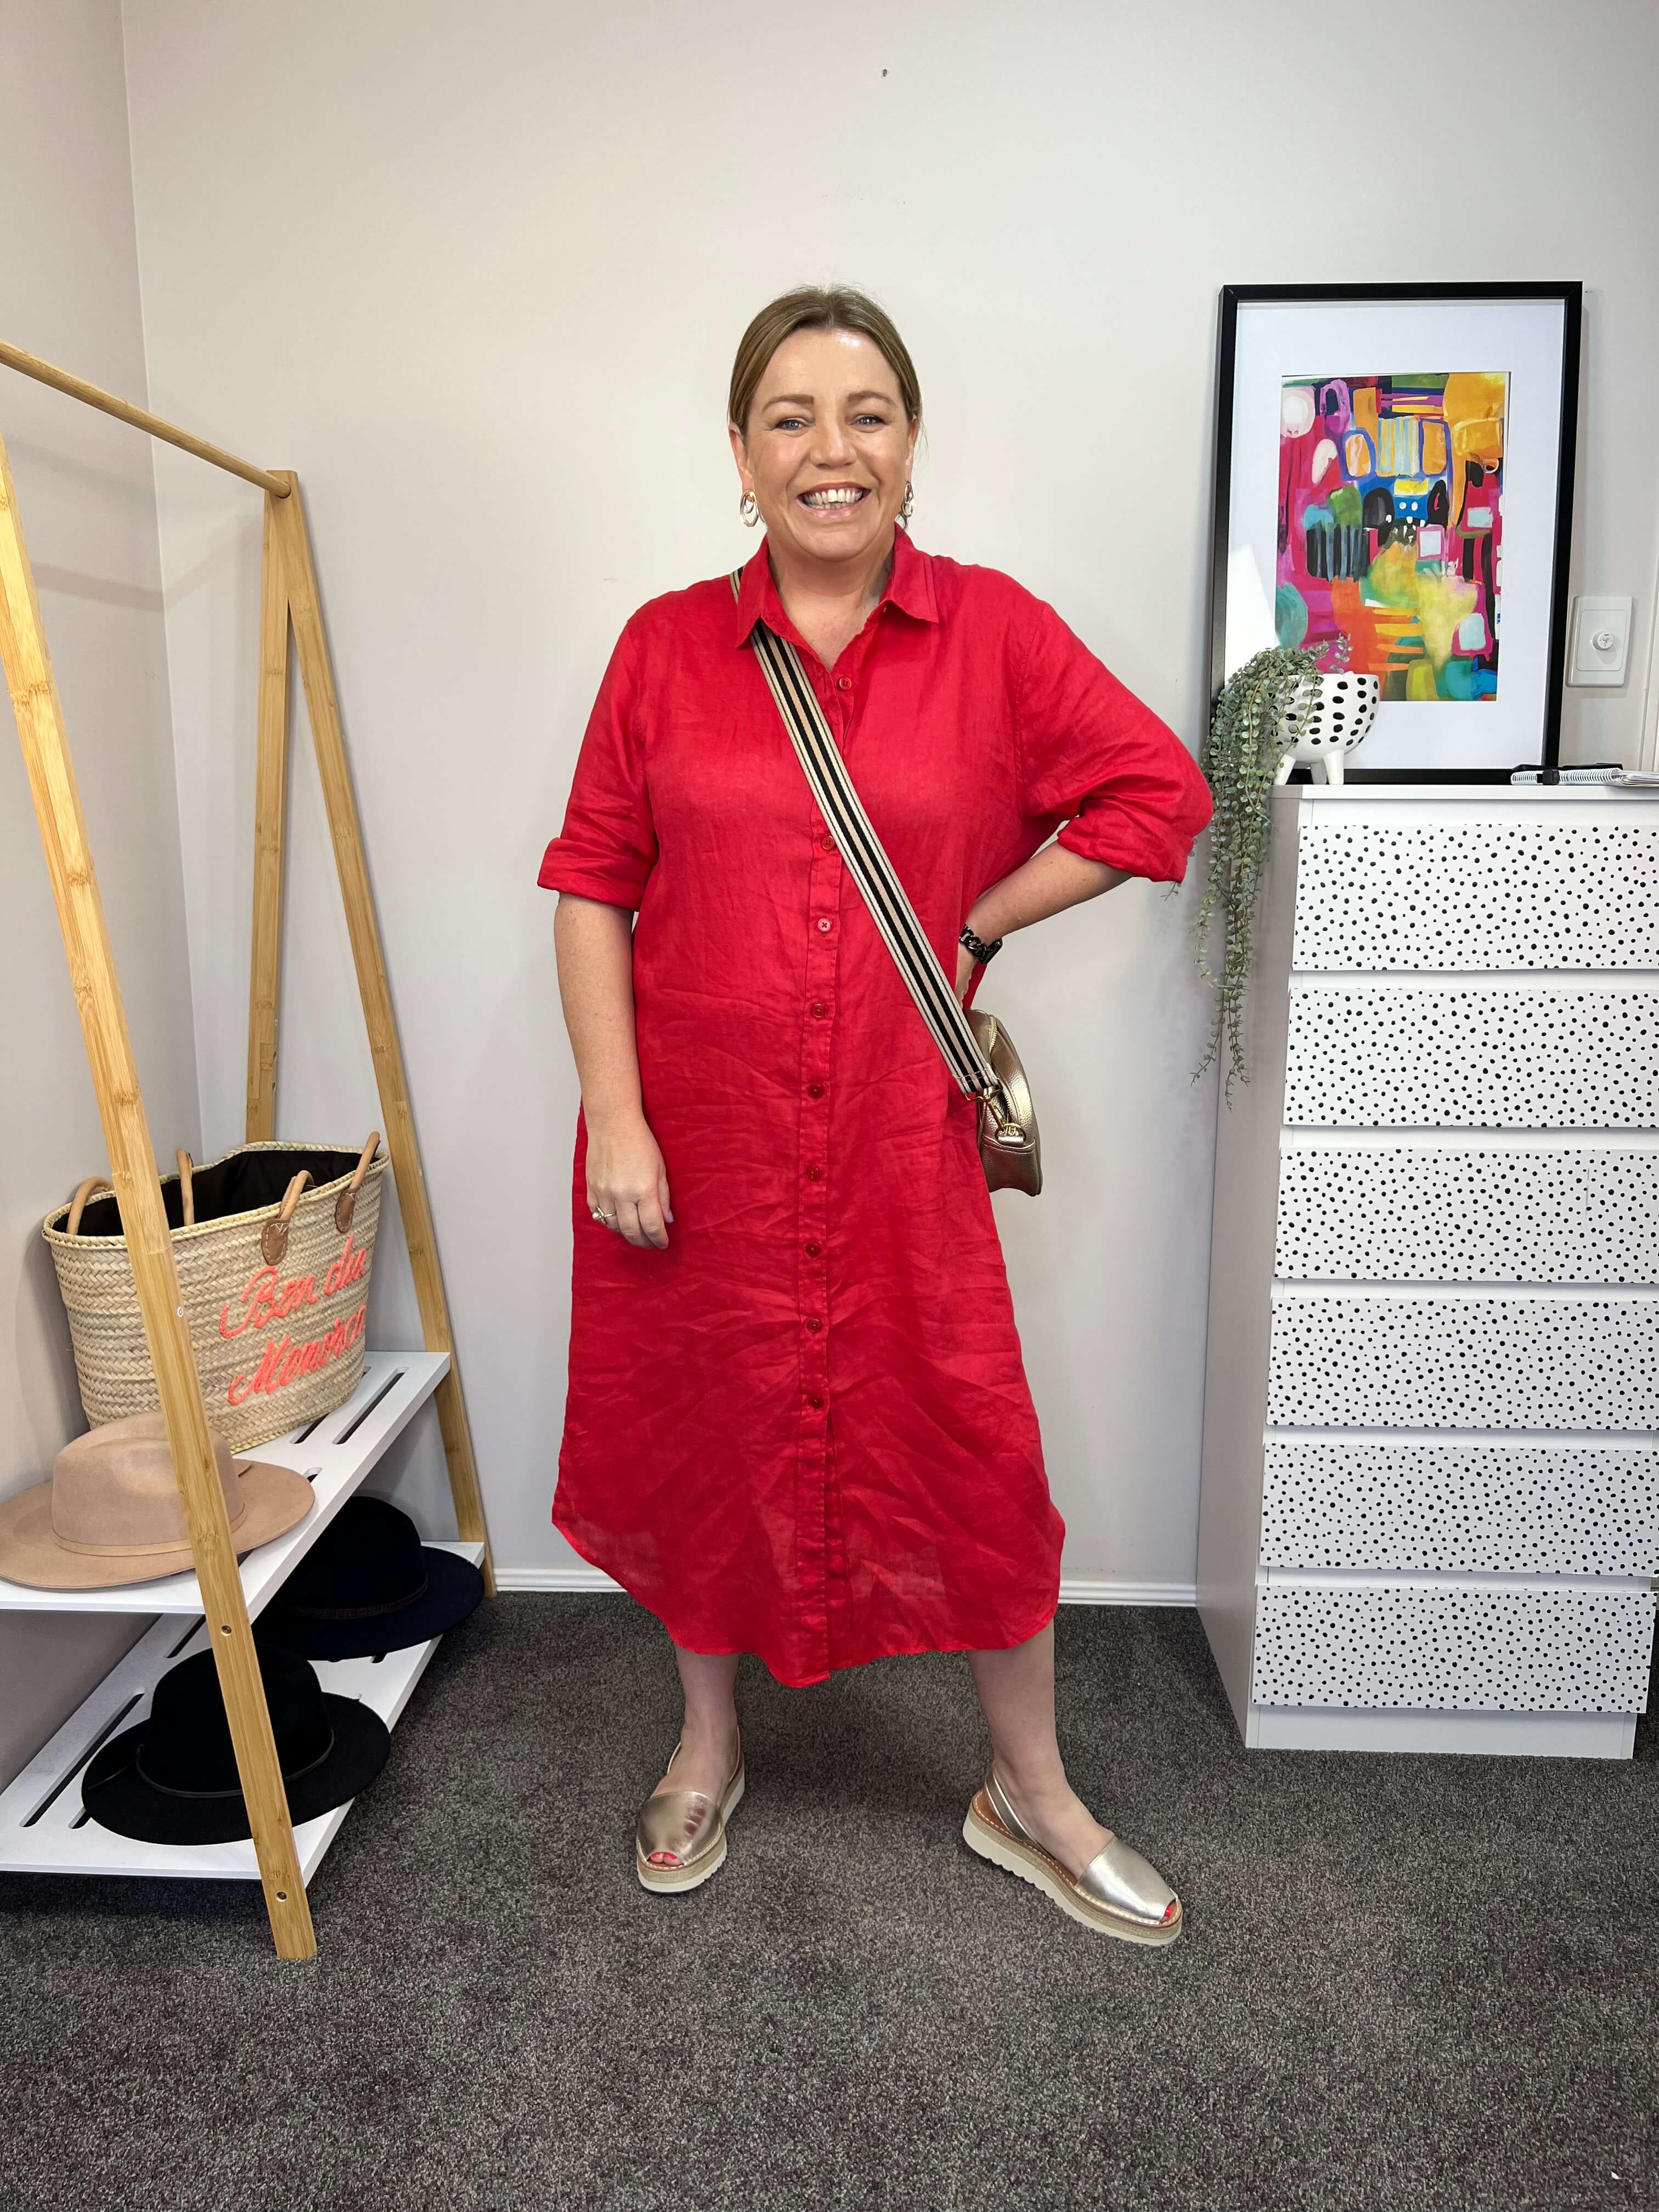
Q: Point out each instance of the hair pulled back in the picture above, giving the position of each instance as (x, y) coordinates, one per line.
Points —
(817, 307)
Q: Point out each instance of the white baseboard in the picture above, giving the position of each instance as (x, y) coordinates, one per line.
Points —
(588, 1581)
(1098, 1593)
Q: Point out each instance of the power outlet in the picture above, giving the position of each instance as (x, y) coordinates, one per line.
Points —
(1601, 640)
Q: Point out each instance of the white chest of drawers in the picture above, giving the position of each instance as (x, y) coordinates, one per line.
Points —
(1429, 1515)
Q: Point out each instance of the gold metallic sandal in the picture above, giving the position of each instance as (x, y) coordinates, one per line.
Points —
(680, 1839)
(1119, 1892)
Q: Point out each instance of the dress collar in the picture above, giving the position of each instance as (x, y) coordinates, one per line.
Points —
(909, 588)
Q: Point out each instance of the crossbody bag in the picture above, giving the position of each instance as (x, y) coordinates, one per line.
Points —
(975, 1046)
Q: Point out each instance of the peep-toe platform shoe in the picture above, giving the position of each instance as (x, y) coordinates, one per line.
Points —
(1118, 1892)
(680, 1839)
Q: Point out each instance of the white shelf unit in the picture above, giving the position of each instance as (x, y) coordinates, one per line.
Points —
(334, 1454)
(1428, 1514)
(44, 1828)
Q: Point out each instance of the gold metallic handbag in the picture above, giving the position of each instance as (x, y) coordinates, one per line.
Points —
(977, 1048)
(1009, 1145)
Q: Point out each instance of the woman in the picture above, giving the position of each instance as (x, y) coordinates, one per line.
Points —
(797, 1422)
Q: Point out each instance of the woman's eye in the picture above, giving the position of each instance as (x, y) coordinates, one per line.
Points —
(788, 422)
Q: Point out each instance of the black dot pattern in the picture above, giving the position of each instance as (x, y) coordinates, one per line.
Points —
(1488, 894)
(1475, 1362)
(1429, 1445)
(1397, 1213)
(1476, 1055)
(1453, 1506)
(1338, 718)
(1531, 1650)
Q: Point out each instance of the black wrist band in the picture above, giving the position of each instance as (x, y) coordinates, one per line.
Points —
(981, 951)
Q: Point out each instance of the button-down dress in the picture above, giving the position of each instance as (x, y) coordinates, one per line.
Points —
(805, 1429)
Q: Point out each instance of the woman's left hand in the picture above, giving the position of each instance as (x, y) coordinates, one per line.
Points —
(965, 968)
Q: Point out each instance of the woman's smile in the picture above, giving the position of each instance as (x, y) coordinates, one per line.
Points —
(832, 502)
(823, 452)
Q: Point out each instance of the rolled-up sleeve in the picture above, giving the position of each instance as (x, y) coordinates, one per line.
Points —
(607, 846)
(1092, 755)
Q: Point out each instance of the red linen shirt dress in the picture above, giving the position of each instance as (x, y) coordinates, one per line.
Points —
(804, 1429)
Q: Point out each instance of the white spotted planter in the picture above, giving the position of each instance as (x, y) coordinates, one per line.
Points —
(1330, 725)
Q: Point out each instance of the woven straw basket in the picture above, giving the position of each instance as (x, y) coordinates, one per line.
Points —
(273, 1244)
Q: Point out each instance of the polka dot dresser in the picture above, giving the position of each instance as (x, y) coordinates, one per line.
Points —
(1430, 1507)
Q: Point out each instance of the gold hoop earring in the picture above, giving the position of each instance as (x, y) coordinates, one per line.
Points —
(749, 508)
(907, 505)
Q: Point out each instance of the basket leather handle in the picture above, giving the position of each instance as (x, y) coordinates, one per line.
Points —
(273, 1238)
(78, 1203)
(186, 1185)
(345, 1205)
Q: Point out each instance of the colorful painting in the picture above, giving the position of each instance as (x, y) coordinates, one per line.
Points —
(1390, 528)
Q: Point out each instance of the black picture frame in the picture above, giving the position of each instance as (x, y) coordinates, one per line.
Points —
(1569, 296)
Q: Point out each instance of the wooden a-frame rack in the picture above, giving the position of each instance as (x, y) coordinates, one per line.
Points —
(288, 600)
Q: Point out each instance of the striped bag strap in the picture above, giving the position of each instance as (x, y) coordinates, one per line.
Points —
(883, 894)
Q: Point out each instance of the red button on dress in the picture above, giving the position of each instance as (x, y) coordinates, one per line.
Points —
(917, 1516)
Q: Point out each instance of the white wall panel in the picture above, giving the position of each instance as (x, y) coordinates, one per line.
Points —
(86, 499)
(478, 273)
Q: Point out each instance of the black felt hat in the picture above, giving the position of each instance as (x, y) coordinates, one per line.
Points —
(171, 1779)
(368, 1585)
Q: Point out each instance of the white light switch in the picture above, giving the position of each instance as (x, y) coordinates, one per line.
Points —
(1601, 640)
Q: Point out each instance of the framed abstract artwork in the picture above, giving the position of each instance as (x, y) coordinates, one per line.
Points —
(1393, 494)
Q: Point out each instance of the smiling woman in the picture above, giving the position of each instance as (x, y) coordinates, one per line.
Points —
(801, 1427)
(824, 414)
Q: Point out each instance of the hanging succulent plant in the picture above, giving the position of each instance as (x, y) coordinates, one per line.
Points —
(1249, 734)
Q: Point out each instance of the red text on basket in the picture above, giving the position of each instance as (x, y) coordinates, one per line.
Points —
(267, 1299)
(285, 1362)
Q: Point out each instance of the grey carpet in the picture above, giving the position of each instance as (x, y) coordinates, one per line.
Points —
(1404, 1982)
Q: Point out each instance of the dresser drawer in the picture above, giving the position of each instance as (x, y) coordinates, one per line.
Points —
(1468, 1646)
(1491, 893)
(1464, 1360)
(1472, 1055)
(1460, 1505)
(1387, 1212)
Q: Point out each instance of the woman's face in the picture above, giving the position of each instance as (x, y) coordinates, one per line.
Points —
(828, 450)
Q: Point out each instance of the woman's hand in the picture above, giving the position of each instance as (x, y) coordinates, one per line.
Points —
(626, 1179)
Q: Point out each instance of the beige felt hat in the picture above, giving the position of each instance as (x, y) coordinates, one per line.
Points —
(111, 1513)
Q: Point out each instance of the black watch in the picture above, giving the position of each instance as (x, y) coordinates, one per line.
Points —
(980, 951)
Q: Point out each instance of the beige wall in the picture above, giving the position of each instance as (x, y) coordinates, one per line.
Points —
(477, 273)
(68, 281)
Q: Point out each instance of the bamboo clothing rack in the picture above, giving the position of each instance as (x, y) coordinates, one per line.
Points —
(288, 605)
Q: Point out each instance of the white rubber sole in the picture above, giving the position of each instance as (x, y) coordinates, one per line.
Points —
(993, 1842)
(670, 1881)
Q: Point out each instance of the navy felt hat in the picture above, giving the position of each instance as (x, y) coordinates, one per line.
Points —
(370, 1585)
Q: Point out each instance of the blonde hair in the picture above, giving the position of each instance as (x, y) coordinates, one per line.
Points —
(817, 307)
